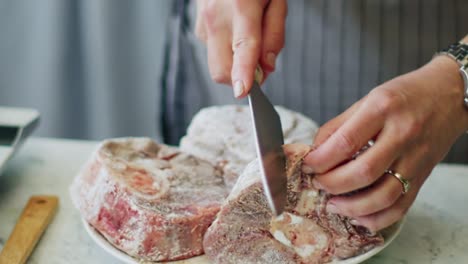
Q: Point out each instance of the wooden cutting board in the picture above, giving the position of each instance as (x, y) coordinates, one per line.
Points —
(34, 219)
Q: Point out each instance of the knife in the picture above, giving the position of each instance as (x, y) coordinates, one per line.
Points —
(269, 144)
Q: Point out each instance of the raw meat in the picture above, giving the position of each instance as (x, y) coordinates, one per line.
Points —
(149, 200)
(223, 135)
(245, 231)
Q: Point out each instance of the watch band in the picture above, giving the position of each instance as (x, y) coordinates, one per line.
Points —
(459, 52)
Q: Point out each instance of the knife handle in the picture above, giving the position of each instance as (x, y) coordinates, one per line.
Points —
(258, 74)
(35, 218)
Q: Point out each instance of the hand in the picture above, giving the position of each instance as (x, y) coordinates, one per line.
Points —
(239, 35)
(414, 119)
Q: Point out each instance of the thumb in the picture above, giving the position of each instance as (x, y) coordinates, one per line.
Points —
(247, 39)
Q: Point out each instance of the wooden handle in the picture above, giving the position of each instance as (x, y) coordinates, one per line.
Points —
(35, 217)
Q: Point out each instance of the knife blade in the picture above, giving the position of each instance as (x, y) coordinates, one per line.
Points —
(269, 141)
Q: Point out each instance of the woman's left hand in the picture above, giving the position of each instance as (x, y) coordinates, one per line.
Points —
(414, 119)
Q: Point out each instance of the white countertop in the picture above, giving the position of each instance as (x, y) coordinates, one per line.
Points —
(436, 229)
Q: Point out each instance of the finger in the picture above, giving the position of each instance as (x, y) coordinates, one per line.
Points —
(380, 196)
(220, 57)
(414, 167)
(273, 33)
(326, 130)
(387, 217)
(200, 31)
(362, 126)
(388, 189)
(365, 169)
(247, 28)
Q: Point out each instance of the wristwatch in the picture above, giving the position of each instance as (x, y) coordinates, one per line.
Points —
(459, 52)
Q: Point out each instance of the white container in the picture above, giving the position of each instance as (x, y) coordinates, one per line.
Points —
(16, 124)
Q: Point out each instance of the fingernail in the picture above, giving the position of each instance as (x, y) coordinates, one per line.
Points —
(331, 208)
(354, 222)
(307, 169)
(238, 88)
(271, 59)
(317, 185)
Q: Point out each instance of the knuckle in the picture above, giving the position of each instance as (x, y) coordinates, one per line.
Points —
(412, 129)
(346, 144)
(386, 101)
(367, 173)
(245, 43)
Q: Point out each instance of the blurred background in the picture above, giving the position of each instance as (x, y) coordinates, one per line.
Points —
(92, 68)
(106, 68)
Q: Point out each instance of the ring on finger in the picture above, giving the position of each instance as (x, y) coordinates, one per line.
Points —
(369, 144)
(404, 182)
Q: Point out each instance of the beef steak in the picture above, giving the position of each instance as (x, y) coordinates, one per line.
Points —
(246, 232)
(149, 200)
(223, 135)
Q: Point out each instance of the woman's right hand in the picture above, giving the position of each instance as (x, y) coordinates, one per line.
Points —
(239, 35)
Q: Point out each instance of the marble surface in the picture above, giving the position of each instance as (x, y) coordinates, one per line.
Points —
(436, 229)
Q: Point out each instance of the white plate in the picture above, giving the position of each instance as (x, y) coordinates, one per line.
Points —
(389, 234)
(103, 243)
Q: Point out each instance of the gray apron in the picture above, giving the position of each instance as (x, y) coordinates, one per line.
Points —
(336, 52)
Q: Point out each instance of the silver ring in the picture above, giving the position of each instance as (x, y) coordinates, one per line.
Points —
(369, 144)
(404, 182)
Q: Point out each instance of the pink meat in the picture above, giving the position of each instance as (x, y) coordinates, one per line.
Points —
(223, 135)
(147, 199)
(246, 232)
